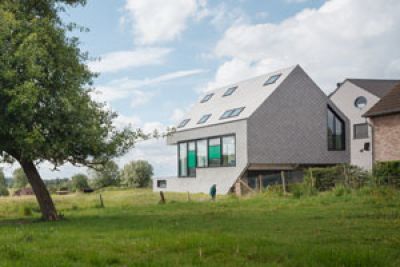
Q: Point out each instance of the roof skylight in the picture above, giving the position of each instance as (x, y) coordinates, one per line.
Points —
(206, 98)
(204, 119)
(231, 113)
(183, 123)
(272, 79)
(230, 91)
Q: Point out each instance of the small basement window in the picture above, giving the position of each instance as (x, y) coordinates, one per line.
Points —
(204, 119)
(360, 131)
(230, 91)
(272, 79)
(206, 98)
(161, 184)
(183, 123)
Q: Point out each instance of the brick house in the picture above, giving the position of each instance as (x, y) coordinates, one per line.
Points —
(385, 118)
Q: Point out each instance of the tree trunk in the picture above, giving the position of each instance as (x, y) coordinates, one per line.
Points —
(43, 197)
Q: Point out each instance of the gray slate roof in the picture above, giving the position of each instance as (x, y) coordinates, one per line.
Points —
(249, 94)
(378, 88)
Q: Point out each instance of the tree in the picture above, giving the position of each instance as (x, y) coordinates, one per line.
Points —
(107, 175)
(46, 111)
(19, 179)
(79, 182)
(137, 173)
(3, 184)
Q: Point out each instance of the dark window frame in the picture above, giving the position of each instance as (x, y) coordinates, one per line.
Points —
(204, 118)
(343, 137)
(206, 98)
(183, 123)
(230, 91)
(354, 131)
(208, 156)
(161, 183)
(272, 79)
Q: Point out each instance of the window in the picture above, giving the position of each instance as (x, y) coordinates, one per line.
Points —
(183, 171)
(206, 98)
(204, 119)
(360, 131)
(183, 123)
(360, 102)
(202, 159)
(214, 152)
(231, 113)
(272, 79)
(192, 159)
(336, 131)
(230, 91)
(161, 183)
(228, 151)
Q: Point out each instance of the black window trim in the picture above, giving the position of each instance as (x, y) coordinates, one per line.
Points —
(208, 156)
(230, 91)
(343, 135)
(206, 98)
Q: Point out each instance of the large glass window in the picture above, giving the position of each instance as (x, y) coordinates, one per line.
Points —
(192, 159)
(202, 159)
(336, 131)
(214, 152)
(183, 171)
(228, 151)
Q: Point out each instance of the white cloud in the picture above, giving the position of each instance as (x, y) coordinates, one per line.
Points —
(177, 115)
(129, 88)
(343, 38)
(116, 61)
(159, 20)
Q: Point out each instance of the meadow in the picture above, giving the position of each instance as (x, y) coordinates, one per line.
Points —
(338, 228)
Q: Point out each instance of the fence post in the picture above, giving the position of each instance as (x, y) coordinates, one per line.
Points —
(101, 202)
(162, 200)
(283, 181)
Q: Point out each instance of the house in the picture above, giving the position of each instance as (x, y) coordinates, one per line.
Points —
(385, 118)
(274, 124)
(27, 191)
(354, 97)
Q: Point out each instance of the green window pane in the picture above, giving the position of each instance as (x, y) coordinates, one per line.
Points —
(215, 152)
(192, 159)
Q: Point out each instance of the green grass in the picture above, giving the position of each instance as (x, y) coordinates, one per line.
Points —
(333, 229)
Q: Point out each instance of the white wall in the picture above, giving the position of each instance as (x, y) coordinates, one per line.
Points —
(223, 177)
(344, 99)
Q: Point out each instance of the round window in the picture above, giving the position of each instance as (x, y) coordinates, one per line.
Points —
(360, 102)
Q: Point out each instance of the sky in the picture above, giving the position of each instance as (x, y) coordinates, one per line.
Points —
(156, 57)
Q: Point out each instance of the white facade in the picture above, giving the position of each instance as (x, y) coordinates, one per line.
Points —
(344, 98)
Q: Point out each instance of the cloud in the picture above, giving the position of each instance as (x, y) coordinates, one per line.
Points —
(130, 88)
(116, 61)
(342, 38)
(177, 115)
(157, 21)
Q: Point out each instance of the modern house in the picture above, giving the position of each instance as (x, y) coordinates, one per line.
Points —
(385, 118)
(274, 124)
(354, 97)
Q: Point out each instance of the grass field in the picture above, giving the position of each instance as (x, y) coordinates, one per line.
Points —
(355, 229)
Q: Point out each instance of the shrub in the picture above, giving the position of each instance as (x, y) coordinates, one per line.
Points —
(302, 189)
(26, 211)
(341, 190)
(4, 191)
(387, 173)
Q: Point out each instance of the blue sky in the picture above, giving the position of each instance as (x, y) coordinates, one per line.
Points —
(158, 57)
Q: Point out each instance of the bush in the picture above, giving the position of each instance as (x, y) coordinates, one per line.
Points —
(4, 191)
(26, 211)
(302, 189)
(387, 173)
(341, 190)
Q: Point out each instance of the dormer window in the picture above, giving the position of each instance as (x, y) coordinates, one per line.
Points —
(204, 119)
(230, 91)
(272, 79)
(231, 113)
(183, 123)
(206, 98)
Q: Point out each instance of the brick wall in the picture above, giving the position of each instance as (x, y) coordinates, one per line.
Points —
(386, 137)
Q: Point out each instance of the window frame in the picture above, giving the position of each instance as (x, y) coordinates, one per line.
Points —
(354, 131)
(272, 79)
(221, 165)
(183, 123)
(231, 113)
(207, 98)
(204, 118)
(343, 139)
(230, 91)
(164, 182)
